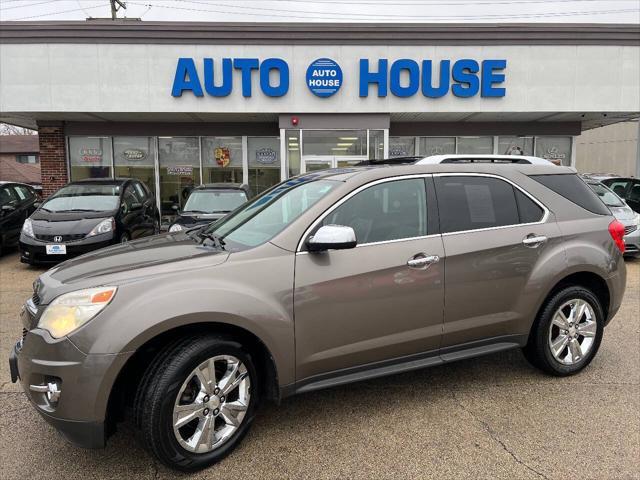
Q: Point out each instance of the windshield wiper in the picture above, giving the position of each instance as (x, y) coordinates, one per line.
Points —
(79, 210)
(217, 240)
(194, 211)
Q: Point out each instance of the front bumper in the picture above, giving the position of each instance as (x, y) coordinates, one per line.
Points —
(83, 382)
(34, 251)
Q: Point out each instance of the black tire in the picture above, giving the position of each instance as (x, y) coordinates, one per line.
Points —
(538, 352)
(160, 385)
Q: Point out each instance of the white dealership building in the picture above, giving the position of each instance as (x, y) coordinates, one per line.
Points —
(178, 104)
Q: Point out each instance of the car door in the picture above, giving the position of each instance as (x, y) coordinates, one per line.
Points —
(148, 208)
(633, 197)
(494, 235)
(12, 216)
(367, 304)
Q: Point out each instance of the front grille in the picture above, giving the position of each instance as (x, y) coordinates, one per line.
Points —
(629, 229)
(24, 333)
(64, 238)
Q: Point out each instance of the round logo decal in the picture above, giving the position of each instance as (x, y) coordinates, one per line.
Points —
(324, 77)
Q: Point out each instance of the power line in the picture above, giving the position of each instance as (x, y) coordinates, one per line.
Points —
(54, 13)
(437, 17)
(316, 12)
(429, 3)
(25, 6)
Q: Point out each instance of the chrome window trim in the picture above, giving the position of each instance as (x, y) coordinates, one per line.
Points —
(545, 215)
(355, 192)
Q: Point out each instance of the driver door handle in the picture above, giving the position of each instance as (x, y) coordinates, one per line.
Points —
(533, 241)
(422, 260)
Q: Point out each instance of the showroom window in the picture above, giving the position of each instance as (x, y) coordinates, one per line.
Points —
(179, 160)
(263, 154)
(90, 157)
(515, 145)
(475, 145)
(402, 147)
(134, 157)
(437, 145)
(222, 160)
(293, 151)
(334, 142)
(376, 144)
(554, 149)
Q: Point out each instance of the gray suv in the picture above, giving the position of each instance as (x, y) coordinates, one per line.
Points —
(326, 279)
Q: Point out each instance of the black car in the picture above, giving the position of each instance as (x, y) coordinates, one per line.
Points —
(86, 215)
(17, 201)
(208, 203)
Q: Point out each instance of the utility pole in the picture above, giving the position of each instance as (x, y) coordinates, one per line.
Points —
(115, 6)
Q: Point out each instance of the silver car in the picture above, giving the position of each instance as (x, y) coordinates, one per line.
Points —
(623, 213)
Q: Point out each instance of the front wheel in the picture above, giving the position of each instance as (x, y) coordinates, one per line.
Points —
(197, 402)
(567, 334)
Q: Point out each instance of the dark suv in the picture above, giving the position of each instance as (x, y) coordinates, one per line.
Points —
(328, 278)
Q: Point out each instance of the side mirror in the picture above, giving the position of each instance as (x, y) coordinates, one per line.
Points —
(8, 208)
(332, 237)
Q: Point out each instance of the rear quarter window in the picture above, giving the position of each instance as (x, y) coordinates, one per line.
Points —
(574, 189)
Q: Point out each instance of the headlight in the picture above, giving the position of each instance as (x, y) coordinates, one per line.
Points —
(105, 226)
(175, 228)
(27, 228)
(72, 310)
(636, 219)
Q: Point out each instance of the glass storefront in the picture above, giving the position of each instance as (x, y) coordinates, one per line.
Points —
(222, 160)
(554, 149)
(437, 145)
(172, 166)
(264, 162)
(135, 157)
(515, 145)
(90, 157)
(179, 162)
(477, 145)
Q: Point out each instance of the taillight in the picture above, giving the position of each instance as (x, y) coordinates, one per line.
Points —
(616, 230)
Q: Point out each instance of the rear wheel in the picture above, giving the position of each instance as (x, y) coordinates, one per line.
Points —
(567, 334)
(197, 402)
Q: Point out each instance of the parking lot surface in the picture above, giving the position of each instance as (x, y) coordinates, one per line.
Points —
(492, 417)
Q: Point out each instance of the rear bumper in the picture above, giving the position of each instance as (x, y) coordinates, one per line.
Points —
(34, 251)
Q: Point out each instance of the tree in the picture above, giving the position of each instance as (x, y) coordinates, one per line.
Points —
(7, 129)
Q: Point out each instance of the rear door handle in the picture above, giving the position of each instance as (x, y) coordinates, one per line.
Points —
(534, 241)
(422, 261)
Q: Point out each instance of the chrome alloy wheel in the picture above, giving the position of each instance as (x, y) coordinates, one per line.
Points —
(211, 404)
(573, 330)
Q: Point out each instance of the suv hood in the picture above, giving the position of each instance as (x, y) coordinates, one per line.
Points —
(119, 264)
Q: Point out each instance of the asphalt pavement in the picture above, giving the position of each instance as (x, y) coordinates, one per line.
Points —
(493, 417)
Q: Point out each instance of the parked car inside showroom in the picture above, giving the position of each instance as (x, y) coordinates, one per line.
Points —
(327, 278)
(87, 215)
(17, 202)
(622, 211)
(208, 203)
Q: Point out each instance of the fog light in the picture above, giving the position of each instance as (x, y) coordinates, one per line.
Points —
(51, 391)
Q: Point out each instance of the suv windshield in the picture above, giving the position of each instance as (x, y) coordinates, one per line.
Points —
(84, 197)
(609, 198)
(213, 201)
(264, 217)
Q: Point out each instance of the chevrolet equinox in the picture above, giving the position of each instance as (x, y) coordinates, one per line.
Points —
(327, 278)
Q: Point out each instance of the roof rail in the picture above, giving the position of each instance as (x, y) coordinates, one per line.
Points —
(484, 158)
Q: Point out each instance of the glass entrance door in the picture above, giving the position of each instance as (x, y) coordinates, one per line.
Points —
(321, 162)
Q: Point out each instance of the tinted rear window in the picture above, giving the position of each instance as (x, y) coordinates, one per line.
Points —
(470, 203)
(530, 211)
(574, 189)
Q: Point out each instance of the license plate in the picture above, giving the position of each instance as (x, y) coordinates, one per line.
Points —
(56, 249)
